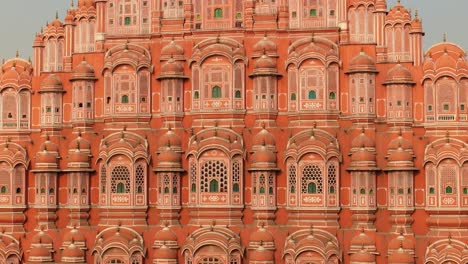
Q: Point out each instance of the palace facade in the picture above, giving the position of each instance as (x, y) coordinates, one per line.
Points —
(232, 132)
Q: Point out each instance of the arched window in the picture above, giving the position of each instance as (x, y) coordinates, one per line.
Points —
(3, 189)
(128, 21)
(313, 12)
(210, 260)
(332, 96)
(166, 189)
(18, 190)
(332, 189)
(262, 190)
(363, 191)
(218, 13)
(235, 187)
(214, 187)
(115, 261)
(311, 188)
(196, 95)
(448, 190)
(312, 95)
(293, 97)
(238, 94)
(216, 92)
(124, 99)
(120, 188)
(432, 190)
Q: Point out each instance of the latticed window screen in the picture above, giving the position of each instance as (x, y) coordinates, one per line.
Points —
(210, 260)
(213, 176)
(430, 179)
(331, 178)
(236, 174)
(448, 180)
(312, 174)
(193, 175)
(175, 183)
(261, 184)
(120, 175)
(139, 179)
(271, 185)
(292, 178)
(103, 178)
(166, 183)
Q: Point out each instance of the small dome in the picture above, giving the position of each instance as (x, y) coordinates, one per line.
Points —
(362, 141)
(261, 235)
(400, 155)
(401, 242)
(262, 156)
(52, 82)
(169, 158)
(265, 62)
(83, 69)
(39, 252)
(380, 5)
(172, 49)
(265, 46)
(56, 23)
(165, 234)
(48, 154)
(362, 256)
(41, 238)
(398, 142)
(362, 240)
(79, 143)
(74, 235)
(169, 139)
(77, 156)
(73, 252)
(363, 155)
(401, 257)
(446, 61)
(362, 63)
(171, 67)
(261, 254)
(399, 74)
(165, 252)
(264, 138)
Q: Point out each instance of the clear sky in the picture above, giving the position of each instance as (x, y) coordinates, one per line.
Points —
(21, 19)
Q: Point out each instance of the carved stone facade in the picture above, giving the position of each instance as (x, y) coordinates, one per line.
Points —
(234, 131)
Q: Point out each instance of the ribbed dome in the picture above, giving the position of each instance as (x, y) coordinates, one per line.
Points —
(56, 23)
(51, 83)
(47, 156)
(446, 61)
(362, 63)
(77, 156)
(362, 240)
(399, 74)
(363, 155)
(41, 238)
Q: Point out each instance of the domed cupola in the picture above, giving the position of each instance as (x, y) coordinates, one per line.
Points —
(363, 249)
(83, 71)
(363, 153)
(362, 63)
(265, 47)
(166, 246)
(172, 69)
(262, 246)
(85, 4)
(169, 152)
(48, 155)
(172, 50)
(264, 151)
(73, 247)
(401, 249)
(79, 154)
(400, 154)
(51, 83)
(399, 74)
(41, 248)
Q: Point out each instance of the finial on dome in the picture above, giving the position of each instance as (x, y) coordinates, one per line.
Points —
(56, 14)
(72, 3)
(17, 54)
(398, 2)
(416, 14)
(445, 37)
